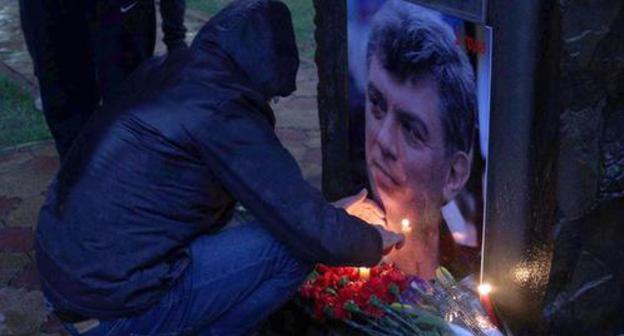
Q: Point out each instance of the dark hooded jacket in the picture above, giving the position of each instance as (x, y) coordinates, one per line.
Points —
(165, 162)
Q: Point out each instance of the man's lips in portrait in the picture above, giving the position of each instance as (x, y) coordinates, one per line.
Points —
(382, 176)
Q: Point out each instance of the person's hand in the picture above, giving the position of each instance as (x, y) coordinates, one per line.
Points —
(390, 239)
(362, 208)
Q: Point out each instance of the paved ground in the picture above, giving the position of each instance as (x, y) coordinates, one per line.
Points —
(26, 170)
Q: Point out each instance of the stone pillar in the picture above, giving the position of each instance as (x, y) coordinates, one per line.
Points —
(586, 291)
(331, 60)
(520, 203)
(554, 235)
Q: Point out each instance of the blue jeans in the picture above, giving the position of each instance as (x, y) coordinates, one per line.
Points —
(237, 277)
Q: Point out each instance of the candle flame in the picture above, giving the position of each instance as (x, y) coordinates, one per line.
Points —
(485, 288)
(405, 225)
(364, 272)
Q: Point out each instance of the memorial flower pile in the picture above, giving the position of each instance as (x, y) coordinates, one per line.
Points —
(338, 292)
(384, 301)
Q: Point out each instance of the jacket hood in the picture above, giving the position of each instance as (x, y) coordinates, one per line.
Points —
(258, 36)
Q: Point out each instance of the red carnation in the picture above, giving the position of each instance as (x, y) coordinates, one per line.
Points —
(337, 291)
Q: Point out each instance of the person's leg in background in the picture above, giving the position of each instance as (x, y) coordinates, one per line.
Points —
(57, 36)
(124, 35)
(174, 31)
(31, 21)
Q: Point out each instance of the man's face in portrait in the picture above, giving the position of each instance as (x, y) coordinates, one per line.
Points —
(407, 163)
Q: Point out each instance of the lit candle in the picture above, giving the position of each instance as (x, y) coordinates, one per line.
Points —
(484, 294)
(485, 289)
(405, 226)
(364, 272)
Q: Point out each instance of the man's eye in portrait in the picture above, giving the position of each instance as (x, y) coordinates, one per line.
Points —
(412, 136)
(414, 130)
(376, 110)
(377, 101)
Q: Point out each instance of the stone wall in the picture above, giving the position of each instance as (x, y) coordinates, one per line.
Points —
(586, 292)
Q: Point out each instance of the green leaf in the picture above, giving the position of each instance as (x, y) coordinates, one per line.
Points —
(352, 307)
(394, 289)
(374, 300)
(444, 277)
(313, 275)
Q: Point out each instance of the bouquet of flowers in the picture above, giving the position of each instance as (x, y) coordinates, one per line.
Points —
(384, 301)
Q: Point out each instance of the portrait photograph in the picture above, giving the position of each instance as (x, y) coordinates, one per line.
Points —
(419, 85)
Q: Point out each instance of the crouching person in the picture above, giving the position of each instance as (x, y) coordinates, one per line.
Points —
(130, 240)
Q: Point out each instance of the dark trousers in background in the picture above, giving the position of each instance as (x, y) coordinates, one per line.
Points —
(174, 31)
(81, 51)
